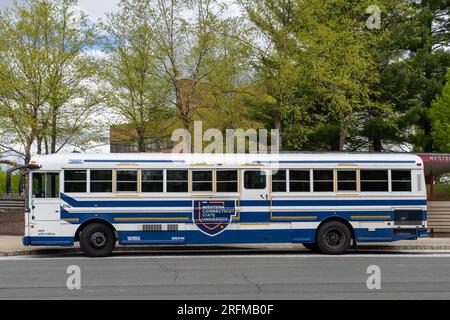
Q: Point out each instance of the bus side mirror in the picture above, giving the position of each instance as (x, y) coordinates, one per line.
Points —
(11, 170)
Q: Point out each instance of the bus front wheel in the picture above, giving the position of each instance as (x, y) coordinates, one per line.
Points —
(97, 240)
(333, 237)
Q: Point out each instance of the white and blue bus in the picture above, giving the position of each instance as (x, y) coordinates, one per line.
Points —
(325, 201)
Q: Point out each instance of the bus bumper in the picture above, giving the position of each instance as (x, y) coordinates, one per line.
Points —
(47, 241)
(423, 233)
(410, 234)
(26, 241)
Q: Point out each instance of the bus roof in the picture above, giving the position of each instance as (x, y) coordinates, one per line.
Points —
(67, 160)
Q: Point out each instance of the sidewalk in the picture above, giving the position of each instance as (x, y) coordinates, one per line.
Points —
(12, 246)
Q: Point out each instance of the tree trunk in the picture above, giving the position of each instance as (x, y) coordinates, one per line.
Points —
(342, 136)
(53, 135)
(277, 124)
(46, 145)
(39, 145)
(141, 140)
(376, 144)
(186, 123)
(27, 151)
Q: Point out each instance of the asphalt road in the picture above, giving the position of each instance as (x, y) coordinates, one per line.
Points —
(228, 275)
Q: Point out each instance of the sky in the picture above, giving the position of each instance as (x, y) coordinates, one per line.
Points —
(94, 8)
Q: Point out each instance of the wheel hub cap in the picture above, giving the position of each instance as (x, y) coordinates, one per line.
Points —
(334, 237)
(98, 239)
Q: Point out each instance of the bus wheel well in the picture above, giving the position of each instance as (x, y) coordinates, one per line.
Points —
(90, 221)
(349, 226)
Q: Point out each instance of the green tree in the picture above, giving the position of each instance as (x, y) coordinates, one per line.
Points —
(315, 61)
(45, 97)
(275, 50)
(14, 181)
(184, 35)
(440, 115)
(416, 74)
(135, 91)
(343, 68)
(381, 126)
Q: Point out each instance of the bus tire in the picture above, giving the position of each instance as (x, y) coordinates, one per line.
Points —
(333, 237)
(310, 246)
(97, 240)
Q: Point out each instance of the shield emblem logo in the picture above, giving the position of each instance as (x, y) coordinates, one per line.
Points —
(213, 216)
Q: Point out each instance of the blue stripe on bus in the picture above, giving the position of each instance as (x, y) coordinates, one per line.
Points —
(316, 203)
(140, 217)
(252, 236)
(135, 161)
(336, 161)
(257, 162)
(244, 217)
(47, 241)
(124, 203)
(250, 203)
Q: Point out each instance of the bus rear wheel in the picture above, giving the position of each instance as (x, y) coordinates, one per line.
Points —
(97, 240)
(333, 237)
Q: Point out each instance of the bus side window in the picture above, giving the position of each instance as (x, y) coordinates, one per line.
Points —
(38, 185)
(299, 181)
(101, 180)
(279, 181)
(323, 180)
(346, 180)
(401, 180)
(126, 180)
(45, 185)
(152, 181)
(177, 181)
(74, 180)
(202, 180)
(374, 180)
(254, 180)
(227, 181)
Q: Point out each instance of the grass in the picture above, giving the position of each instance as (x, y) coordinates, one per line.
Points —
(14, 182)
(441, 192)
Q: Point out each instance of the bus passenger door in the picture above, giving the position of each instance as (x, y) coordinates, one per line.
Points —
(254, 204)
(45, 203)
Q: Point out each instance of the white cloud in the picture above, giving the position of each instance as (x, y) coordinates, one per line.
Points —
(98, 8)
(94, 8)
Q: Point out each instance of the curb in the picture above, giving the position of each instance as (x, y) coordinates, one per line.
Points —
(407, 247)
(50, 251)
(38, 252)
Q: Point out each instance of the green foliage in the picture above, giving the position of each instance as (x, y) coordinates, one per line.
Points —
(134, 91)
(441, 192)
(45, 100)
(310, 68)
(419, 59)
(14, 182)
(440, 114)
